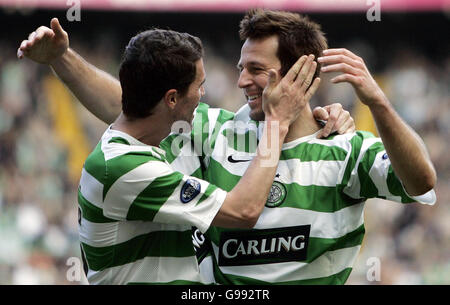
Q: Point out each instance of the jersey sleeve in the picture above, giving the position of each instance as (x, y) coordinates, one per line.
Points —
(153, 191)
(371, 174)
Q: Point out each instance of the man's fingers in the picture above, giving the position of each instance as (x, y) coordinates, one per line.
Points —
(312, 89)
(56, 27)
(39, 35)
(349, 78)
(352, 127)
(23, 45)
(341, 121)
(272, 77)
(31, 36)
(342, 67)
(303, 74)
(347, 127)
(342, 60)
(340, 51)
(320, 113)
(335, 59)
(329, 128)
(19, 54)
(273, 80)
(295, 69)
(23, 49)
(36, 36)
(309, 76)
(43, 31)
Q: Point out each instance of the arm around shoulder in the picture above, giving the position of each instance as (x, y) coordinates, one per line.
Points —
(97, 90)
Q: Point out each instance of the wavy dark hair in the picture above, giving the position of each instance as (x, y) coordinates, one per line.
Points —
(154, 62)
(297, 35)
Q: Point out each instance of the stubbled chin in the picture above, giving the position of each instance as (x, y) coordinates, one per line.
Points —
(256, 112)
(257, 115)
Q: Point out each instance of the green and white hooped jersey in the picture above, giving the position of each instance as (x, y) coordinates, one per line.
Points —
(136, 214)
(312, 227)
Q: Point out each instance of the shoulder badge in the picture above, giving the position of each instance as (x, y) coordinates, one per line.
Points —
(190, 190)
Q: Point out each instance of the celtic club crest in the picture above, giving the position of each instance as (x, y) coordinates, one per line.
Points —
(277, 195)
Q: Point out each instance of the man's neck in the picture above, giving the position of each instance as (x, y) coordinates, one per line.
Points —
(303, 126)
(150, 130)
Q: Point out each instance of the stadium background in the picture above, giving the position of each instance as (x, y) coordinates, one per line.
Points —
(45, 135)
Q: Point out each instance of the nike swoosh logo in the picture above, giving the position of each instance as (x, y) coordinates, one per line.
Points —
(230, 159)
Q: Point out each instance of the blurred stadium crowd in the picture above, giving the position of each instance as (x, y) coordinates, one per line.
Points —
(39, 166)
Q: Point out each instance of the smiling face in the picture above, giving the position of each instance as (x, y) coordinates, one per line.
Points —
(258, 56)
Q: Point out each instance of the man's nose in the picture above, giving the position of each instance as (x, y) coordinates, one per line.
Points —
(245, 79)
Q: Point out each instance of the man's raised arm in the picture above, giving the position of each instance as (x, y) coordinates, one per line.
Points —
(406, 150)
(97, 90)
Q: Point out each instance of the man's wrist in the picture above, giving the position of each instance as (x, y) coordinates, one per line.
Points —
(282, 126)
(380, 105)
(60, 60)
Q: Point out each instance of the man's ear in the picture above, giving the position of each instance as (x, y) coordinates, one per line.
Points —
(171, 98)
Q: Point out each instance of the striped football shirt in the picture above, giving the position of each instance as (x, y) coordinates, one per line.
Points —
(136, 214)
(312, 227)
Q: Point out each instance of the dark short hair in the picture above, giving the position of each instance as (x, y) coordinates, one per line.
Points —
(297, 35)
(154, 62)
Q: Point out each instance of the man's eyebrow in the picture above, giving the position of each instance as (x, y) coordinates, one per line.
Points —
(251, 63)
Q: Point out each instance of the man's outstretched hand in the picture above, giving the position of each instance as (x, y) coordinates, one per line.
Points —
(45, 45)
(352, 70)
